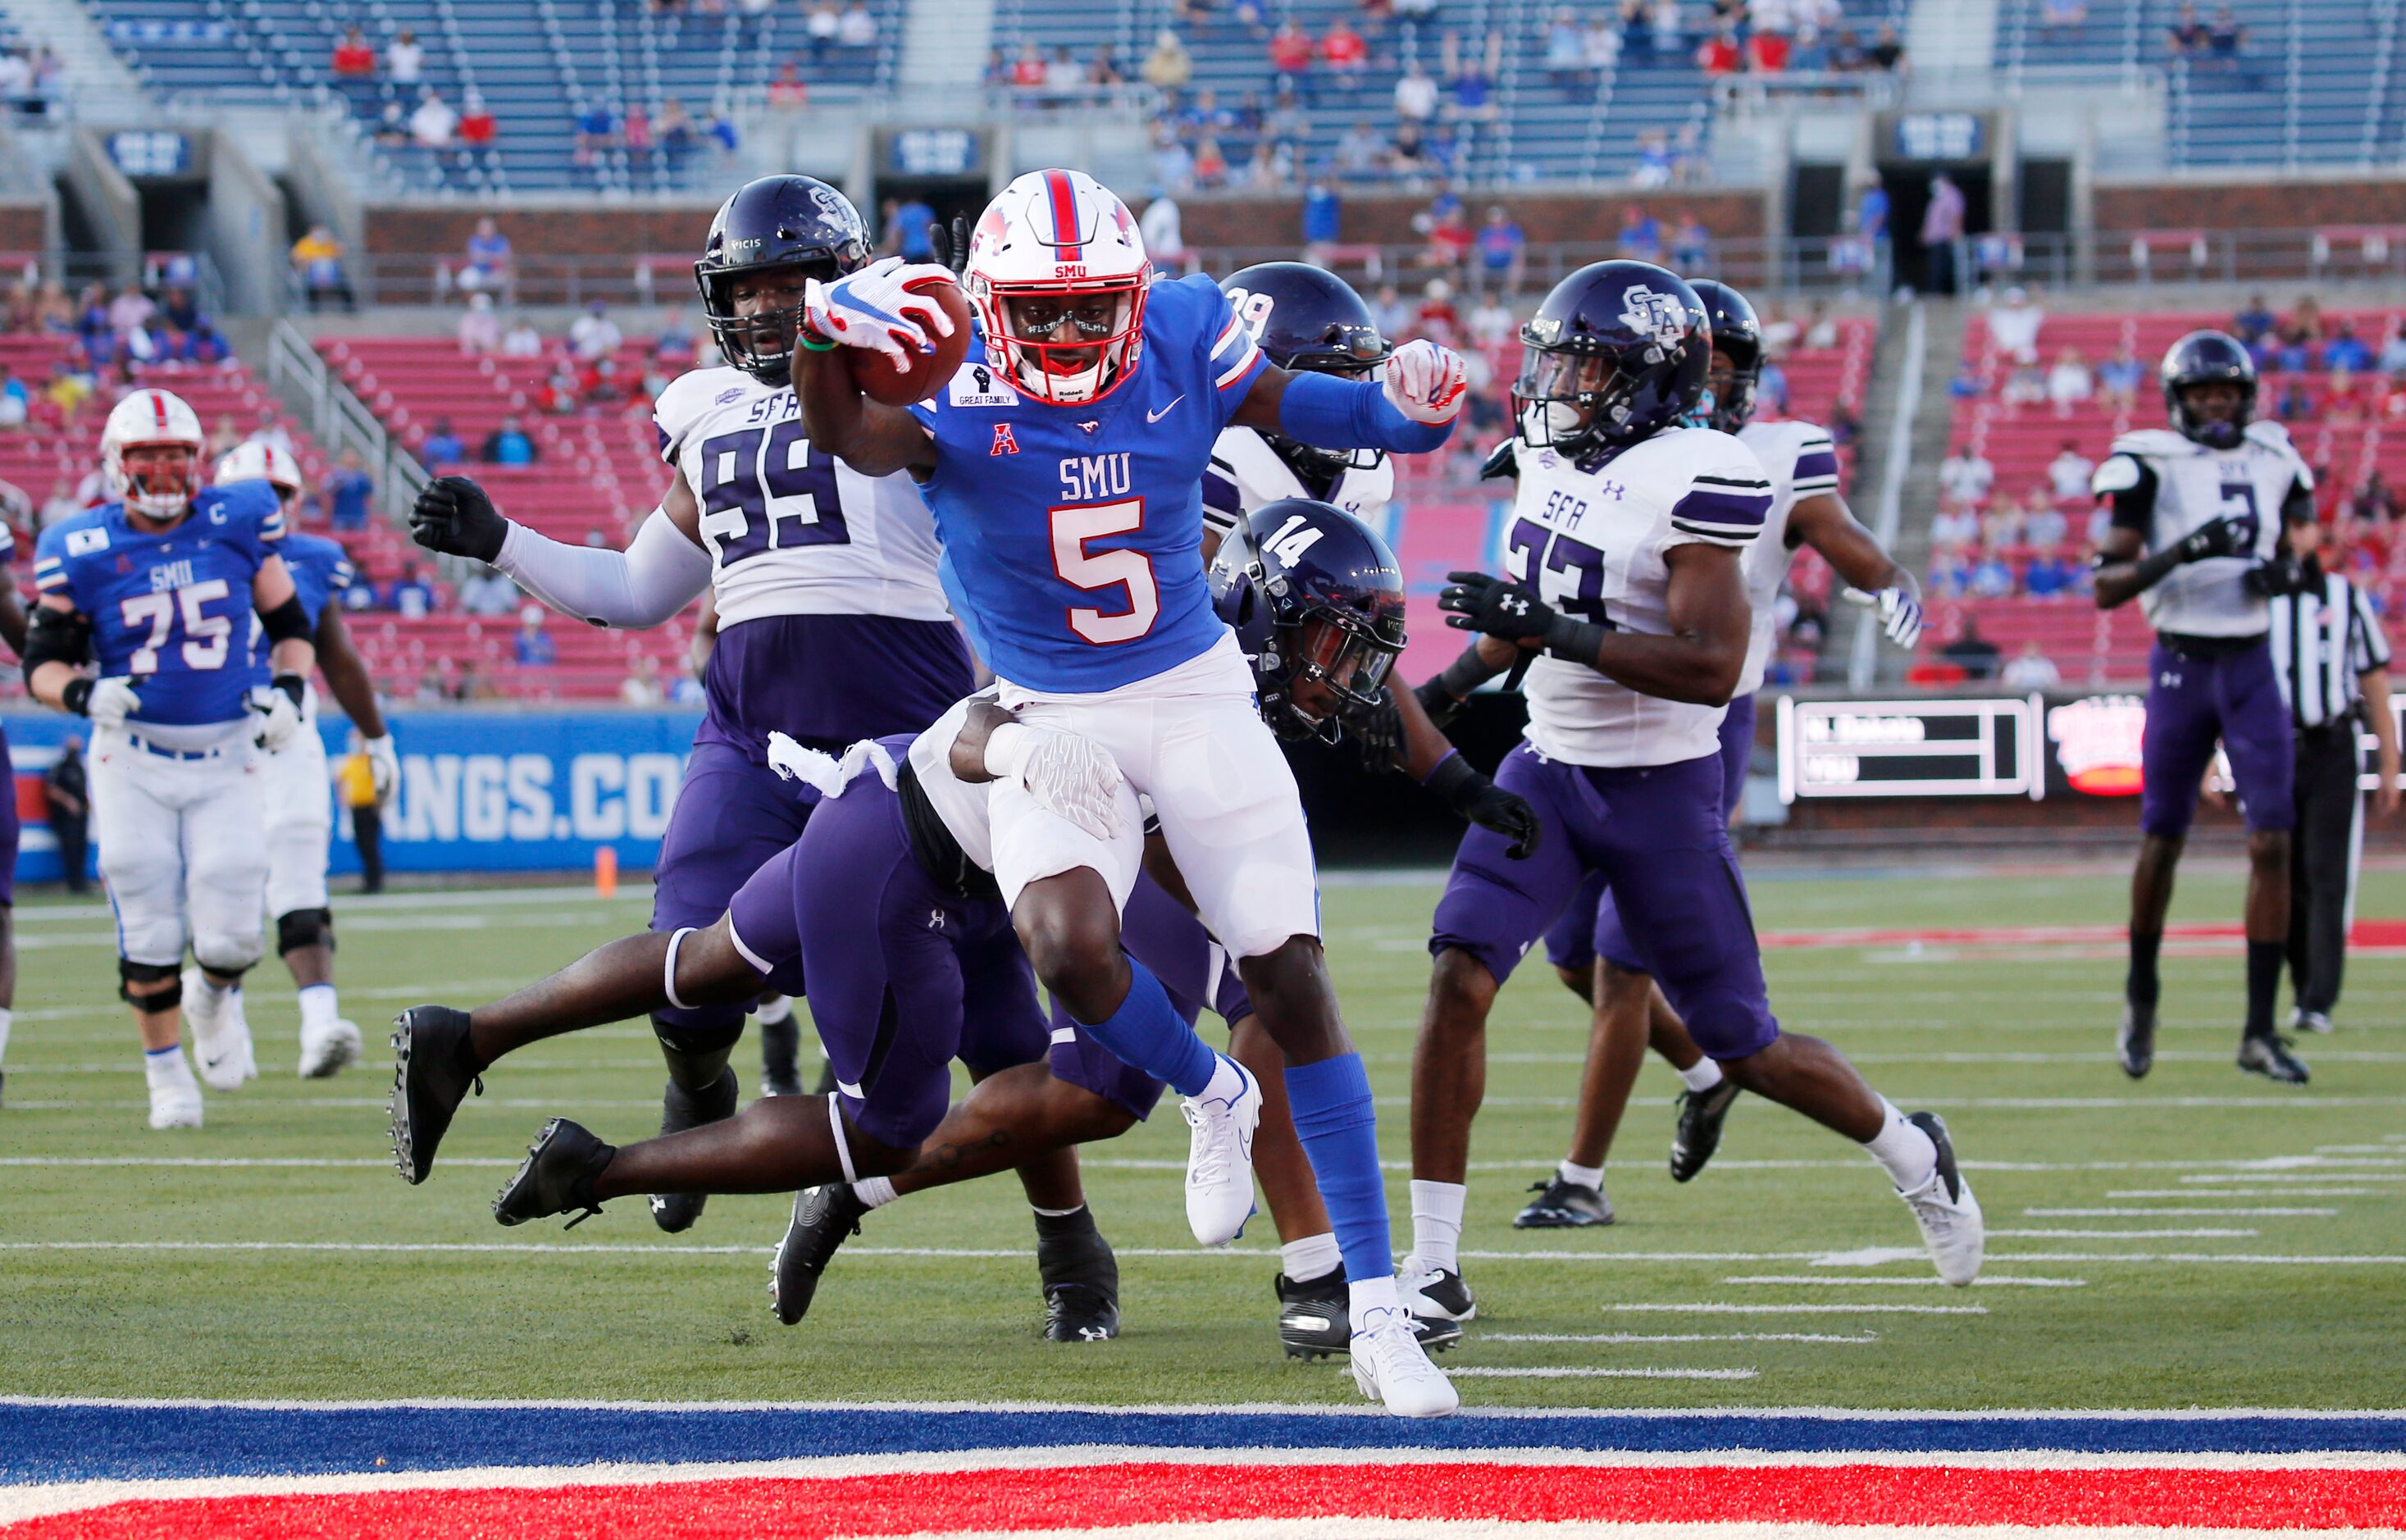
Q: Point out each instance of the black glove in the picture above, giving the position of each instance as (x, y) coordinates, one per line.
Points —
(2283, 574)
(454, 517)
(293, 685)
(1488, 805)
(1379, 733)
(1476, 601)
(1437, 701)
(950, 246)
(76, 694)
(2222, 537)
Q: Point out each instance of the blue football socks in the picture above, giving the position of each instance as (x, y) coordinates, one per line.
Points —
(1147, 1032)
(1333, 1118)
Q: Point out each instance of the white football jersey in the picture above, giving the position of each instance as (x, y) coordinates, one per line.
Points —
(2195, 485)
(792, 531)
(1591, 542)
(1801, 462)
(1246, 473)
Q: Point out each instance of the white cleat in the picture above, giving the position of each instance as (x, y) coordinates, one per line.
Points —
(1949, 1214)
(1434, 1293)
(1390, 1367)
(176, 1104)
(1219, 1159)
(325, 1052)
(221, 1035)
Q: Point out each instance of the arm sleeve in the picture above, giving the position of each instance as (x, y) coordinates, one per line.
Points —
(652, 579)
(2130, 484)
(1333, 413)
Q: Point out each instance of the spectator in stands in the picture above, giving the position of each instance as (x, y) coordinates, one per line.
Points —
(1502, 251)
(1473, 79)
(354, 58)
(1346, 52)
(2393, 353)
(2013, 326)
(1843, 425)
(508, 444)
(1771, 387)
(2345, 349)
(521, 341)
(597, 132)
(67, 392)
(1291, 55)
(1959, 525)
(1692, 245)
(857, 29)
(1360, 155)
(2292, 402)
(1942, 236)
(443, 450)
(318, 269)
(433, 124)
(635, 130)
(487, 593)
(1965, 477)
(1416, 95)
(1211, 164)
(1161, 228)
(788, 94)
(2042, 523)
(2001, 524)
(2392, 400)
(1668, 32)
(2225, 37)
(2031, 669)
(642, 686)
(2255, 322)
(909, 226)
(2057, 17)
(1768, 48)
(472, 685)
(411, 595)
(489, 258)
(2119, 379)
(1887, 53)
(61, 503)
(1599, 49)
(2344, 397)
(1641, 236)
(1975, 654)
(2069, 471)
(1173, 163)
(2069, 383)
(594, 333)
(2306, 322)
(349, 490)
(2049, 575)
(480, 329)
(1393, 316)
(599, 384)
(1169, 66)
(391, 130)
(2025, 386)
(1719, 55)
(1269, 171)
(1436, 319)
(1446, 223)
(821, 26)
(1104, 72)
(1566, 48)
(1490, 322)
(534, 646)
(1656, 164)
(405, 61)
(1991, 577)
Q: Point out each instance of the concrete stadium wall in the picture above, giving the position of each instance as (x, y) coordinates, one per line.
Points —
(587, 230)
(1386, 218)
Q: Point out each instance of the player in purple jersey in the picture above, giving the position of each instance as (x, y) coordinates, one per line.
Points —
(12, 631)
(831, 625)
(151, 589)
(1064, 463)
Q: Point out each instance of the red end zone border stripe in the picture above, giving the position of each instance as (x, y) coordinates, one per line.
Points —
(1009, 1500)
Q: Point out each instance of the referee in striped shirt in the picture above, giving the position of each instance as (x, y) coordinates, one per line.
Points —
(2333, 664)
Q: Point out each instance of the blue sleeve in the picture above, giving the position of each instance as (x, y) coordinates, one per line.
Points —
(1333, 413)
(52, 574)
(255, 517)
(1225, 350)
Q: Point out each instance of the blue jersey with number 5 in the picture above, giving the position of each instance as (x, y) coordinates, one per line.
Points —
(172, 609)
(1073, 535)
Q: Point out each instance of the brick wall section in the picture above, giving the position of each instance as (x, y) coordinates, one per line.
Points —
(1387, 217)
(678, 230)
(23, 227)
(2292, 204)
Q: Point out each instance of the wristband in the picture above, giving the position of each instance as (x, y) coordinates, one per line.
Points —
(1448, 772)
(77, 694)
(1574, 641)
(1007, 748)
(1466, 673)
(808, 346)
(292, 685)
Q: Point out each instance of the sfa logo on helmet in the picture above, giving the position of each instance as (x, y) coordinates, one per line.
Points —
(1660, 317)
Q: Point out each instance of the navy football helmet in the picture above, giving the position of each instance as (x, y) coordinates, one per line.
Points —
(1737, 332)
(797, 223)
(1618, 351)
(1307, 318)
(1317, 601)
(2207, 358)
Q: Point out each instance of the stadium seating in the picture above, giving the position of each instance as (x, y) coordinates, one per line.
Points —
(2020, 441)
(535, 68)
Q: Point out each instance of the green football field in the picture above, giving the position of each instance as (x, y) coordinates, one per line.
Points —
(2201, 1239)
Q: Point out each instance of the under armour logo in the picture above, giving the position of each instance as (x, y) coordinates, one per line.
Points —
(935, 919)
(1513, 605)
(2169, 680)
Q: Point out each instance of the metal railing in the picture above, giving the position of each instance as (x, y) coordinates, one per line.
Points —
(339, 420)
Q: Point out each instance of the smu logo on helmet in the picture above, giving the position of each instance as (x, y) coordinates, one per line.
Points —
(1660, 317)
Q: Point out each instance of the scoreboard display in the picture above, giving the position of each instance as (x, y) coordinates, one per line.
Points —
(1907, 748)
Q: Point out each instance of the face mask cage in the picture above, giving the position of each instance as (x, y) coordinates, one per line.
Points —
(1043, 332)
(1561, 400)
(159, 494)
(762, 343)
(2215, 433)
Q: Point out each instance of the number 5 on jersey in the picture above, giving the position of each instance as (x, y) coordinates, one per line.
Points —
(1125, 570)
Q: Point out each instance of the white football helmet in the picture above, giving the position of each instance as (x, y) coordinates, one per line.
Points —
(142, 421)
(1057, 272)
(256, 460)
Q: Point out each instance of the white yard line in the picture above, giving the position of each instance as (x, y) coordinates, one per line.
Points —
(2122, 1235)
(2026, 1282)
(1601, 1374)
(2177, 1213)
(2262, 1192)
(1717, 1307)
(1678, 1337)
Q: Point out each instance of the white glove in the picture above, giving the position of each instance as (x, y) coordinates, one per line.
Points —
(1427, 383)
(279, 719)
(1900, 614)
(1072, 777)
(112, 700)
(866, 309)
(384, 766)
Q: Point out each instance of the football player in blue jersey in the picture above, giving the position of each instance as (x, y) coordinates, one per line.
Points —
(1064, 465)
(150, 587)
(12, 631)
(299, 812)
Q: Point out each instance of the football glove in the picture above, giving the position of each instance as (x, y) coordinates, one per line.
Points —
(1071, 777)
(453, 517)
(108, 701)
(2222, 537)
(2283, 574)
(874, 308)
(1900, 614)
(1480, 800)
(384, 767)
(278, 706)
(1379, 733)
(1476, 601)
(1426, 383)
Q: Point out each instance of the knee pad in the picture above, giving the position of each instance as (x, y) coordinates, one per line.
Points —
(132, 973)
(305, 928)
(715, 1030)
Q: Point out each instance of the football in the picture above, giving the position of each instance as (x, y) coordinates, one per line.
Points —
(919, 378)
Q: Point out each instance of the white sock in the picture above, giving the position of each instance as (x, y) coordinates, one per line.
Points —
(1437, 1222)
(1313, 1256)
(876, 1191)
(1377, 1294)
(1040, 1213)
(6, 1016)
(317, 1008)
(1227, 1080)
(1905, 1150)
(776, 1010)
(1703, 1077)
(1590, 1177)
(202, 983)
(166, 1067)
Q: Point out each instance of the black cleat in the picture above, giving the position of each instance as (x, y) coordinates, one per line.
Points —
(1082, 1278)
(823, 1218)
(781, 1047)
(2269, 1055)
(1435, 1293)
(1562, 1206)
(556, 1176)
(432, 1072)
(1314, 1319)
(2134, 1045)
(681, 1109)
(1698, 1132)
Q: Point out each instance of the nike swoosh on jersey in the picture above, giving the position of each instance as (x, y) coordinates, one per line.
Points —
(1156, 417)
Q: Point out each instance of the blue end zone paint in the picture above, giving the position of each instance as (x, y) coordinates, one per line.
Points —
(82, 1442)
